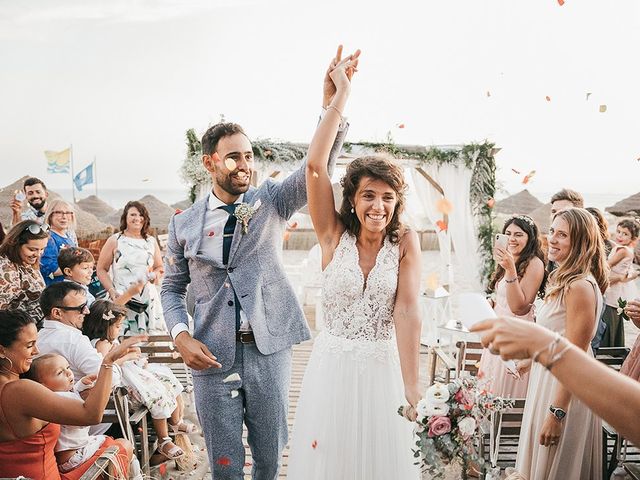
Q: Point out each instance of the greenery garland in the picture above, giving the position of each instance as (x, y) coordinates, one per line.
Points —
(477, 157)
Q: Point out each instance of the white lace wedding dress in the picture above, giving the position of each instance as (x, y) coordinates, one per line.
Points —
(346, 425)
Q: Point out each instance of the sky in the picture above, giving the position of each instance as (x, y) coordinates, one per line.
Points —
(123, 80)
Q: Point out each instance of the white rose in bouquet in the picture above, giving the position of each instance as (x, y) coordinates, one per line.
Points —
(437, 409)
(467, 426)
(437, 393)
(421, 408)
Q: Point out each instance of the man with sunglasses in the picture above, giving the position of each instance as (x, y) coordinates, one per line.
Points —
(64, 305)
(35, 192)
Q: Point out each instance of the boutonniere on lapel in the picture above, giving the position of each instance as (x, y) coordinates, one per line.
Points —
(244, 212)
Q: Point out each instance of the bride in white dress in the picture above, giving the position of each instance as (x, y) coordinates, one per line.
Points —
(364, 365)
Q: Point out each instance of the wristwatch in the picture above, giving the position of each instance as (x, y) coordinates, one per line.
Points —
(557, 412)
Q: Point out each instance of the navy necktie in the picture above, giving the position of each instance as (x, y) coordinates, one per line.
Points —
(227, 239)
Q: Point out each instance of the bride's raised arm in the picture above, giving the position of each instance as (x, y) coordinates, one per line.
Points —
(319, 192)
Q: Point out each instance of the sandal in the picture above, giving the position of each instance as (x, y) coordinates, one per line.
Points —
(181, 427)
(173, 453)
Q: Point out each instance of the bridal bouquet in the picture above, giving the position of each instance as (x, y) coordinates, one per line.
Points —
(448, 418)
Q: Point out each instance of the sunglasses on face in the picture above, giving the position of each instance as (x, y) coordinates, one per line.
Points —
(79, 308)
(36, 229)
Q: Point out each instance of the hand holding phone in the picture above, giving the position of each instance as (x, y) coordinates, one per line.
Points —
(500, 242)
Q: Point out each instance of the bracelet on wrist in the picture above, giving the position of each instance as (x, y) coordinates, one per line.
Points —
(333, 107)
(108, 366)
(510, 280)
(551, 347)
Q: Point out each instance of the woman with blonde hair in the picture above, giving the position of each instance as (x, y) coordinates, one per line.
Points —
(61, 218)
(560, 436)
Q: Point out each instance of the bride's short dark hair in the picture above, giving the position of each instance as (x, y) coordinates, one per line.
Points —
(378, 167)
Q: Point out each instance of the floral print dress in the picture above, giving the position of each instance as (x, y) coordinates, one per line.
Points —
(20, 288)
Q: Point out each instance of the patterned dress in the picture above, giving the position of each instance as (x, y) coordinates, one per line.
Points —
(346, 424)
(20, 288)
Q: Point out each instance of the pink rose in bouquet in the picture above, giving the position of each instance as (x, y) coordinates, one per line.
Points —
(464, 398)
(438, 425)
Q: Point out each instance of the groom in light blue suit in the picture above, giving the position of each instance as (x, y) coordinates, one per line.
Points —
(227, 246)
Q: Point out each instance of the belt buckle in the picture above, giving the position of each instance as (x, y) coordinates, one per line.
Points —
(247, 336)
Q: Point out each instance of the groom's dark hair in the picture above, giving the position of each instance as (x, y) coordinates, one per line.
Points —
(213, 135)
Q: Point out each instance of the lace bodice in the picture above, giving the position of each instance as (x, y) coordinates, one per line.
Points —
(352, 308)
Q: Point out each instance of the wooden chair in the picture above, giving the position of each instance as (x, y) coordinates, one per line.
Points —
(503, 436)
(613, 357)
(160, 349)
(99, 468)
(465, 360)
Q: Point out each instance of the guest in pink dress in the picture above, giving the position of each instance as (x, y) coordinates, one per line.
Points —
(519, 277)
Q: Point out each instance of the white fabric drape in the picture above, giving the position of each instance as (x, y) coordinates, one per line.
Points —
(461, 234)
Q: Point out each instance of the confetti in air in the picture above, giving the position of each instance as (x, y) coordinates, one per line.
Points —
(603, 108)
(230, 163)
(234, 393)
(517, 172)
(234, 377)
(441, 225)
(588, 95)
(548, 98)
(211, 233)
(314, 444)
(444, 206)
(401, 125)
(561, 2)
(527, 178)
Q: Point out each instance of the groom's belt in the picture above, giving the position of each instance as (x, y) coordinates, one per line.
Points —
(245, 337)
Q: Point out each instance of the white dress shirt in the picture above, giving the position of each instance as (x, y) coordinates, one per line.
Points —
(211, 246)
(68, 341)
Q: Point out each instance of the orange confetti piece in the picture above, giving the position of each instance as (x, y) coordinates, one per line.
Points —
(287, 235)
(444, 206)
(603, 108)
(561, 2)
(314, 444)
(442, 226)
(528, 177)
(178, 211)
(224, 461)
(293, 226)
(491, 202)
(162, 469)
(230, 163)
(548, 98)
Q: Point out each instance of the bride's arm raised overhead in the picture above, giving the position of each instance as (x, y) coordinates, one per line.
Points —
(319, 192)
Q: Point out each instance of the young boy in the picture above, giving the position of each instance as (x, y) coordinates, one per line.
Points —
(77, 265)
(75, 446)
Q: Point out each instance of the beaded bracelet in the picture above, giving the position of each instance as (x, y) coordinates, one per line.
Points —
(510, 281)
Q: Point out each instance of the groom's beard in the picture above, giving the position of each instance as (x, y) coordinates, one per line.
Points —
(226, 183)
(37, 203)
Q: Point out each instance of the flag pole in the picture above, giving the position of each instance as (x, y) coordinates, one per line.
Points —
(95, 174)
(73, 185)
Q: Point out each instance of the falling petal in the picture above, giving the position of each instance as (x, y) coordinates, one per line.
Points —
(287, 235)
(314, 444)
(491, 202)
(444, 206)
(178, 211)
(548, 98)
(230, 163)
(560, 2)
(234, 393)
(224, 461)
(234, 377)
(293, 226)
(401, 125)
(603, 108)
(441, 225)
(588, 95)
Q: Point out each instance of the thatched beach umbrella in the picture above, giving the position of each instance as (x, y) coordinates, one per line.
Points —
(626, 206)
(88, 225)
(159, 212)
(95, 206)
(542, 217)
(520, 203)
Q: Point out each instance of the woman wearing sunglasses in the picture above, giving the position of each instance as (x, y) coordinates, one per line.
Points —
(20, 280)
(61, 217)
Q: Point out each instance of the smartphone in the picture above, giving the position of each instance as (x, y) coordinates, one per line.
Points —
(501, 241)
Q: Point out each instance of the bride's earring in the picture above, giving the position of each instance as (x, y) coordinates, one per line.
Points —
(352, 210)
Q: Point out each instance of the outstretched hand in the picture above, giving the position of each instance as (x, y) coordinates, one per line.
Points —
(127, 347)
(329, 87)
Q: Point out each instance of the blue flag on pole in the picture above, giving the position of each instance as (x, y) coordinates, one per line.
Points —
(84, 177)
